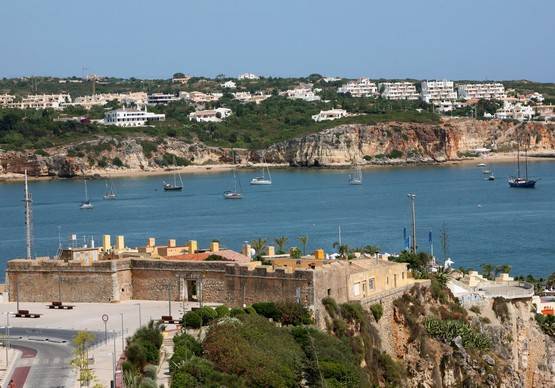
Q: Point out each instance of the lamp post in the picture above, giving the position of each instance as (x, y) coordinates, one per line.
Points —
(105, 320)
(114, 361)
(122, 335)
(7, 343)
(412, 198)
(140, 316)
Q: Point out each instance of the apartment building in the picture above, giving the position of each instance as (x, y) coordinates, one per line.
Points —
(301, 93)
(516, 111)
(6, 99)
(131, 117)
(161, 98)
(247, 97)
(200, 97)
(229, 85)
(210, 115)
(249, 76)
(136, 98)
(328, 115)
(438, 91)
(486, 91)
(362, 87)
(399, 90)
(41, 101)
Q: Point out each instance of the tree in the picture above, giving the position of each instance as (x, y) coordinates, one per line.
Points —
(258, 245)
(487, 269)
(295, 253)
(281, 242)
(304, 242)
(342, 249)
(505, 268)
(81, 342)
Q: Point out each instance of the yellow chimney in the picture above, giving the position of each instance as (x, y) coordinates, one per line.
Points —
(193, 246)
(270, 251)
(120, 243)
(246, 250)
(214, 246)
(171, 243)
(319, 254)
(151, 242)
(106, 244)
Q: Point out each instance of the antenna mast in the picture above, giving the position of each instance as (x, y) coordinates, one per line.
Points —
(28, 220)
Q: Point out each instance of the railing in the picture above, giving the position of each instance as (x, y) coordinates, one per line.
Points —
(393, 291)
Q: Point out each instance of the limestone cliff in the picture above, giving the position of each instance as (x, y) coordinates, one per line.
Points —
(381, 143)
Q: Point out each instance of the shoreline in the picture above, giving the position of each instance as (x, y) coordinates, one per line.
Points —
(507, 157)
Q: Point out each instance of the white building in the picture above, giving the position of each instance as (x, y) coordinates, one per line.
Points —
(87, 102)
(331, 79)
(438, 91)
(487, 91)
(131, 117)
(6, 99)
(200, 97)
(42, 101)
(210, 116)
(301, 93)
(248, 97)
(229, 85)
(443, 106)
(535, 97)
(516, 111)
(327, 115)
(250, 76)
(362, 87)
(161, 98)
(399, 90)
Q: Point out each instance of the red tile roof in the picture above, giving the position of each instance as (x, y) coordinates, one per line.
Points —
(225, 254)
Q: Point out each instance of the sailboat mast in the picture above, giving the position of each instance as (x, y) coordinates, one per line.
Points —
(526, 162)
(518, 158)
(28, 220)
(86, 192)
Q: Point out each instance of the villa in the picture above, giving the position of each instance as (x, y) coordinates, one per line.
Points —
(327, 115)
(131, 117)
(210, 115)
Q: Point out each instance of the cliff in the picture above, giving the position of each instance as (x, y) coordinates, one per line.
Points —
(382, 143)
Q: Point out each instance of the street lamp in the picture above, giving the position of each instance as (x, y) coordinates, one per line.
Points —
(412, 198)
(122, 335)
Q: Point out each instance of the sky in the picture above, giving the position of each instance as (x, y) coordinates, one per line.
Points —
(426, 39)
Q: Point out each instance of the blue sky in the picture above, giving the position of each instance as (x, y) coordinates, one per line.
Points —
(487, 39)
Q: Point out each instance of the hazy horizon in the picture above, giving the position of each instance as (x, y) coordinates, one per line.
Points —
(472, 40)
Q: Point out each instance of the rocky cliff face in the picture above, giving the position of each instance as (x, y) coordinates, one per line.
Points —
(409, 142)
(379, 144)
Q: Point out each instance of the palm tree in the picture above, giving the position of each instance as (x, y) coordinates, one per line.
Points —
(506, 268)
(258, 246)
(342, 249)
(304, 241)
(281, 242)
(487, 269)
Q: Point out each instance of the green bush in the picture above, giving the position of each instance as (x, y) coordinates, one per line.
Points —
(148, 382)
(268, 310)
(222, 311)
(207, 314)
(199, 372)
(117, 162)
(546, 323)
(293, 314)
(192, 320)
(236, 311)
(249, 310)
(377, 311)
(331, 306)
(352, 312)
(447, 330)
(150, 371)
(185, 347)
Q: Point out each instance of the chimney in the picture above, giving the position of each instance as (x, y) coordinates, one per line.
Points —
(151, 242)
(246, 250)
(319, 254)
(120, 243)
(106, 244)
(193, 246)
(270, 251)
(214, 246)
(171, 243)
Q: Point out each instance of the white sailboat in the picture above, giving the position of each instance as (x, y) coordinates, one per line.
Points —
(355, 177)
(110, 192)
(86, 204)
(262, 180)
(236, 192)
(174, 186)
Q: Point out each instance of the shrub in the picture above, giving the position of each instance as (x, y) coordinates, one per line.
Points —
(447, 330)
(339, 327)
(41, 152)
(192, 320)
(150, 371)
(377, 311)
(185, 347)
(293, 314)
(207, 314)
(148, 382)
(249, 310)
(352, 312)
(117, 162)
(501, 309)
(331, 306)
(222, 311)
(236, 311)
(268, 310)
(395, 154)
(547, 323)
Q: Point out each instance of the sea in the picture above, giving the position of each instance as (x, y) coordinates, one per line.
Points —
(484, 221)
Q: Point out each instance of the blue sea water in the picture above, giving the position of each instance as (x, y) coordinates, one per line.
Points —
(486, 221)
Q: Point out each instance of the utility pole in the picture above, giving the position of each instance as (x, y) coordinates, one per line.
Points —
(28, 219)
(114, 360)
(122, 335)
(412, 198)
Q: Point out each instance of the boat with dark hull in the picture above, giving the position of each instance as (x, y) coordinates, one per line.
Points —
(519, 181)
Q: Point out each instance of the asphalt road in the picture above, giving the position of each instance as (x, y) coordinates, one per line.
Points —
(47, 354)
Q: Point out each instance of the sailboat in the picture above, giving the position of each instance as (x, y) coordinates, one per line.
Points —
(235, 193)
(518, 181)
(86, 204)
(491, 177)
(110, 192)
(174, 186)
(355, 177)
(262, 180)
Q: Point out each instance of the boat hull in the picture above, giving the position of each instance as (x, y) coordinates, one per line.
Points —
(522, 183)
(232, 195)
(173, 188)
(256, 182)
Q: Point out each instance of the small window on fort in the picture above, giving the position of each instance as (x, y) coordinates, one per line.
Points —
(387, 280)
(329, 291)
(371, 283)
(402, 275)
(122, 290)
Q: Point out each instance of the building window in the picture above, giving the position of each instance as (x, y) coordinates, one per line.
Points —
(403, 275)
(329, 291)
(356, 289)
(371, 283)
(387, 280)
